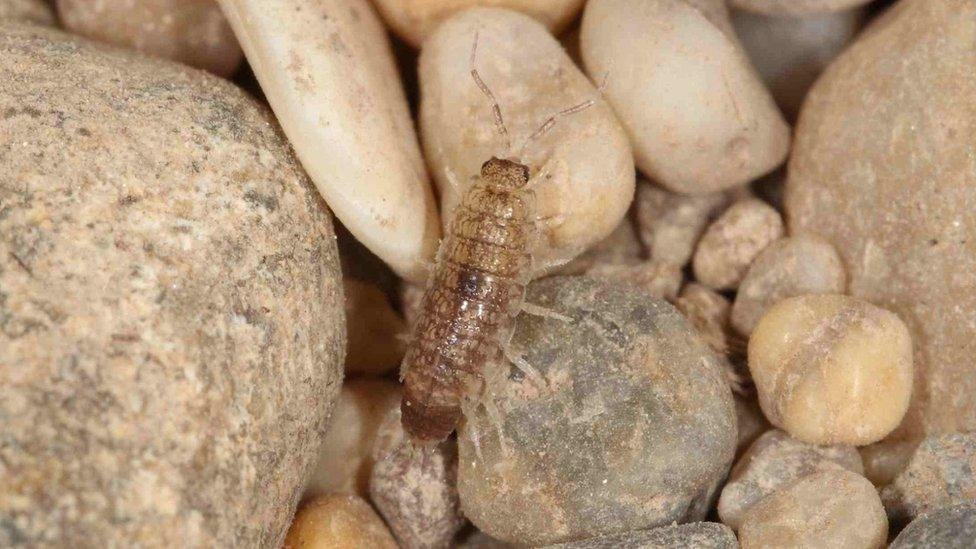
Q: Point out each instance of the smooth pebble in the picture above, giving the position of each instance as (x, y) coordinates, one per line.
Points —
(374, 331)
(338, 521)
(733, 241)
(796, 8)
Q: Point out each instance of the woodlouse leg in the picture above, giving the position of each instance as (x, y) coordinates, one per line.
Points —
(495, 416)
(523, 365)
(538, 310)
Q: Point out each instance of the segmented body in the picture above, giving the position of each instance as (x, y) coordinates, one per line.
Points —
(472, 298)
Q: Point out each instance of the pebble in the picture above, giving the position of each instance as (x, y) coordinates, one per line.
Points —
(415, 488)
(697, 535)
(670, 224)
(836, 508)
(346, 456)
(415, 20)
(952, 527)
(27, 11)
(338, 521)
(660, 280)
(750, 422)
(633, 427)
(708, 312)
(773, 461)
(941, 472)
(791, 266)
(327, 70)
(585, 160)
(622, 247)
(884, 460)
(374, 331)
(733, 241)
(832, 369)
(193, 32)
(698, 116)
(796, 8)
(791, 52)
(171, 304)
(904, 226)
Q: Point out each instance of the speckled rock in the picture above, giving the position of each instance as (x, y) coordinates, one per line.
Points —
(883, 168)
(730, 244)
(952, 527)
(773, 461)
(31, 11)
(632, 428)
(171, 318)
(338, 521)
(697, 535)
(941, 472)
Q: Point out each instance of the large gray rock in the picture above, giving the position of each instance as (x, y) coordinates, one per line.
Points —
(171, 323)
(634, 426)
(952, 527)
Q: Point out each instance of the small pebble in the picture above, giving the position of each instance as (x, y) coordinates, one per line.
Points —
(952, 527)
(832, 369)
(708, 311)
(345, 460)
(480, 540)
(374, 331)
(622, 247)
(662, 280)
(338, 521)
(696, 535)
(750, 422)
(788, 267)
(836, 509)
(733, 241)
(28, 11)
(773, 461)
(414, 20)
(698, 116)
(670, 224)
(415, 488)
(884, 460)
(193, 32)
(941, 472)
(795, 8)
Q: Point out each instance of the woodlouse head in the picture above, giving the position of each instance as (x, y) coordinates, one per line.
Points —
(506, 173)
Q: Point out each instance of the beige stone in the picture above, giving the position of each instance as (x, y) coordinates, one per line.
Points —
(374, 330)
(327, 70)
(414, 20)
(670, 224)
(338, 521)
(172, 329)
(698, 116)
(837, 509)
(193, 32)
(795, 8)
(883, 168)
(29, 11)
(708, 312)
(832, 369)
(733, 241)
(622, 247)
(655, 279)
(582, 169)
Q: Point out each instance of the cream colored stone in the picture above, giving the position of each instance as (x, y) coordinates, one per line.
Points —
(338, 521)
(30, 11)
(326, 68)
(884, 169)
(792, 266)
(832, 369)
(345, 459)
(697, 114)
(731, 243)
(414, 20)
(587, 180)
(795, 8)
(836, 509)
(374, 331)
(193, 32)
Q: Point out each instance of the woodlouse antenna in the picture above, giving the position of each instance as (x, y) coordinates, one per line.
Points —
(551, 122)
(496, 110)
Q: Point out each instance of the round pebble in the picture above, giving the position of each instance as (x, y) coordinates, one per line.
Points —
(670, 224)
(884, 460)
(338, 522)
(733, 241)
(697, 535)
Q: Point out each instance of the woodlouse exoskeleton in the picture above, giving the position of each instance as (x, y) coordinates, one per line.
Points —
(474, 293)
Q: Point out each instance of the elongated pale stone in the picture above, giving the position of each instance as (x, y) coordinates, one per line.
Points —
(329, 75)
(587, 180)
(698, 116)
(414, 20)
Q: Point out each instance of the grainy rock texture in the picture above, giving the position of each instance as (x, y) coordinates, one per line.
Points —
(338, 522)
(794, 8)
(373, 330)
(708, 312)
(697, 535)
(661, 280)
(193, 32)
(941, 472)
(670, 224)
(731, 243)
(837, 509)
(171, 324)
(952, 527)
(633, 427)
(883, 168)
(30, 11)
(773, 461)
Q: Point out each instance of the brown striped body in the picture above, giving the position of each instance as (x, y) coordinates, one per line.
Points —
(471, 300)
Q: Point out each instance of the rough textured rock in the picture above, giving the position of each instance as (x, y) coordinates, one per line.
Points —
(346, 456)
(733, 240)
(193, 32)
(773, 461)
(792, 266)
(632, 427)
(952, 527)
(941, 472)
(794, 8)
(171, 322)
(338, 522)
(697, 535)
(883, 167)
(836, 509)
(31, 11)
(373, 329)
(708, 312)
(670, 224)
